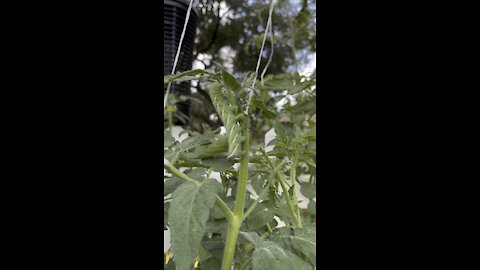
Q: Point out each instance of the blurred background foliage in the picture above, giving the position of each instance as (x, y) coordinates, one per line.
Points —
(229, 35)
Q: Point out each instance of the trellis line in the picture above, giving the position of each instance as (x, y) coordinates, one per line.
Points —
(178, 53)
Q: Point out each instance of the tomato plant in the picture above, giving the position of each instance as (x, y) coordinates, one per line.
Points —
(220, 223)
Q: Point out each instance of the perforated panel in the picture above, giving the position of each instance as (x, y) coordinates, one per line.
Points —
(175, 12)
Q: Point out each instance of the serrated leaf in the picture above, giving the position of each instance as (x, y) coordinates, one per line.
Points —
(284, 131)
(269, 255)
(301, 242)
(188, 215)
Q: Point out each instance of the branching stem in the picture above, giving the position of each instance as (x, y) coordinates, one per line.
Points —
(221, 204)
(291, 208)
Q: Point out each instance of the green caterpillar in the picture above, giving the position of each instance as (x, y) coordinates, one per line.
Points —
(227, 112)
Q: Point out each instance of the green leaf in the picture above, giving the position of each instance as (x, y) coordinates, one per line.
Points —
(171, 184)
(188, 215)
(196, 140)
(166, 205)
(211, 264)
(284, 131)
(308, 190)
(269, 255)
(197, 173)
(260, 216)
(219, 164)
(257, 183)
(269, 114)
(217, 147)
(230, 82)
(283, 212)
(251, 237)
(278, 82)
(301, 242)
(215, 245)
(312, 208)
(168, 140)
(190, 73)
(217, 213)
(216, 226)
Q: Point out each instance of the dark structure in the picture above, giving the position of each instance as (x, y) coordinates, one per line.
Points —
(175, 12)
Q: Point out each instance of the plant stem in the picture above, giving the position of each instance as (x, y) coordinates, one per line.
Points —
(289, 201)
(291, 208)
(269, 229)
(231, 243)
(236, 220)
(243, 173)
(221, 204)
(293, 173)
(179, 174)
(262, 193)
(224, 207)
(255, 203)
(170, 122)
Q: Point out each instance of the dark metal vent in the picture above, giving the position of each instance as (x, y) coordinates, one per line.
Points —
(174, 14)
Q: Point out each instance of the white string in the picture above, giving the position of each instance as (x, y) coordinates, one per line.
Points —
(260, 55)
(178, 52)
(271, 54)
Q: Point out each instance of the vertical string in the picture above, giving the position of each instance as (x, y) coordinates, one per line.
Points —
(272, 3)
(271, 53)
(178, 53)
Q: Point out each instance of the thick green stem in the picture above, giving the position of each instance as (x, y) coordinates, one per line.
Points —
(236, 220)
(231, 243)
